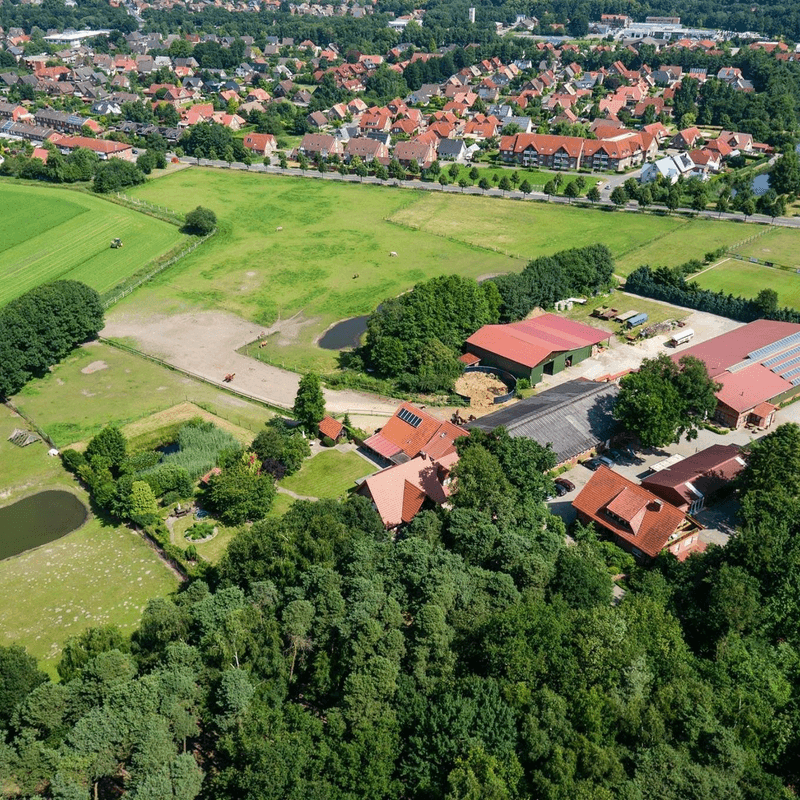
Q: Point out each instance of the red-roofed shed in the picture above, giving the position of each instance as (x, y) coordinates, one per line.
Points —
(529, 349)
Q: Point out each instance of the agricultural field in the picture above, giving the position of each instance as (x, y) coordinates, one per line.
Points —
(329, 474)
(47, 233)
(94, 575)
(330, 260)
(746, 279)
(98, 384)
(528, 230)
(779, 245)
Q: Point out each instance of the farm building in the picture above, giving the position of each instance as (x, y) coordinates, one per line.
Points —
(758, 367)
(575, 418)
(635, 518)
(411, 432)
(535, 347)
(690, 482)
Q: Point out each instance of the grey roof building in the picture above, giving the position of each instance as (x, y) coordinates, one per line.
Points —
(574, 417)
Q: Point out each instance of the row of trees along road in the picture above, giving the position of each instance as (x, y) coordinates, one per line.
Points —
(473, 655)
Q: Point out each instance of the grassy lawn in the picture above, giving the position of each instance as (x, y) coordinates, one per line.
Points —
(746, 279)
(535, 229)
(47, 233)
(213, 549)
(535, 177)
(92, 576)
(692, 239)
(779, 245)
(329, 474)
(72, 405)
(96, 575)
(622, 302)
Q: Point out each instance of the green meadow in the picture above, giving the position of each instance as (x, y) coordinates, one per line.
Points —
(49, 233)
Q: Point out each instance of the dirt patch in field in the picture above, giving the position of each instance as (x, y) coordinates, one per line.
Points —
(480, 388)
(205, 343)
(487, 275)
(95, 366)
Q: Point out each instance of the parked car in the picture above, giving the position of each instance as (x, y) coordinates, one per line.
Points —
(565, 484)
(560, 490)
(594, 463)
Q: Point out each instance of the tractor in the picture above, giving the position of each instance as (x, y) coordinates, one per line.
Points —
(116, 243)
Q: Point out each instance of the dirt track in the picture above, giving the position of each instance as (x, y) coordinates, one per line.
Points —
(205, 343)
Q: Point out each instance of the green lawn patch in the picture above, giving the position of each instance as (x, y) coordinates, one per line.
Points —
(72, 405)
(747, 280)
(94, 576)
(48, 233)
(329, 474)
(656, 312)
(779, 245)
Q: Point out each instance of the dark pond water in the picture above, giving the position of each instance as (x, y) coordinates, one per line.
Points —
(37, 520)
(166, 449)
(345, 333)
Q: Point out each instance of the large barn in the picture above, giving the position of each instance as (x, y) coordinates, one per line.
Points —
(535, 347)
(575, 418)
(758, 367)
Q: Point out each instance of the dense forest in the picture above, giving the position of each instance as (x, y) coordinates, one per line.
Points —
(474, 655)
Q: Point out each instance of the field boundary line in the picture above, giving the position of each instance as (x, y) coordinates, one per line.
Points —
(30, 422)
(270, 404)
(150, 275)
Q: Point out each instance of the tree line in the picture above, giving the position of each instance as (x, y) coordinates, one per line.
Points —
(669, 284)
(42, 326)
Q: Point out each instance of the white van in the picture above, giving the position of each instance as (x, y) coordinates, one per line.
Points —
(682, 337)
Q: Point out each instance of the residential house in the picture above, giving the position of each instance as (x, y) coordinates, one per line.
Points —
(689, 483)
(421, 152)
(451, 150)
(542, 150)
(398, 493)
(686, 139)
(636, 519)
(670, 167)
(367, 149)
(316, 119)
(319, 144)
(105, 148)
(410, 432)
(264, 144)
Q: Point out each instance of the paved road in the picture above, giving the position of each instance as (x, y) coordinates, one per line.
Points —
(610, 182)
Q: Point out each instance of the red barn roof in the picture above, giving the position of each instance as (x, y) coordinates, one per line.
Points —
(531, 341)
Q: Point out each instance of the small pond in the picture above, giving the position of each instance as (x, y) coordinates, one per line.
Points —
(39, 519)
(346, 333)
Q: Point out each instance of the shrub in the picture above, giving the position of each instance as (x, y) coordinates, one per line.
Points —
(191, 553)
(523, 383)
(201, 221)
(72, 459)
(328, 442)
(200, 530)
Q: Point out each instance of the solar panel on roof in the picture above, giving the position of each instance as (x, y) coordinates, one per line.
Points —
(412, 419)
(795, 381)
(793, 338)
(783, 367)
(777, 359)
(791, 373)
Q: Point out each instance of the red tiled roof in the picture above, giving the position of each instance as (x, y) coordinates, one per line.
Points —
(431, 436)
(531, 341)
(654, 520)
(702, 473)
(330, 427)
(749, 387)
(470, 359)
(399, 491)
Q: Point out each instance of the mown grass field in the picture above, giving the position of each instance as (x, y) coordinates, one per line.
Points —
(95, 575)
(47, 233)
(780, 245)
(746, 279)
(328, 474)
(532, 229)
(72, 405)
